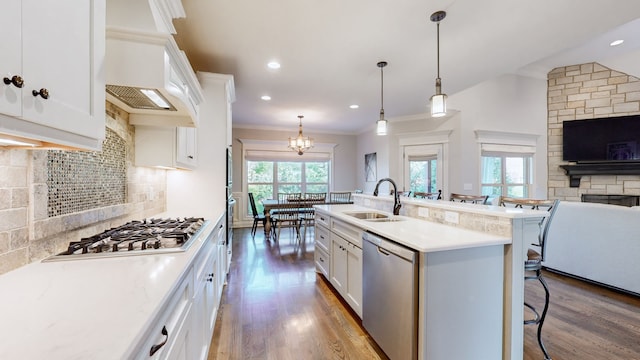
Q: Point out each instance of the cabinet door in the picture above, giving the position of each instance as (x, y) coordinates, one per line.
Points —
(57, 55)
(181, 348)
(10, 61)
(354, 278)
(187, 147)
(339, 263)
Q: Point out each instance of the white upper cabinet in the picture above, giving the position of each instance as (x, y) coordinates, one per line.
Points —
(187, 155)
(56, 48)
(10, 62)
(166, 147)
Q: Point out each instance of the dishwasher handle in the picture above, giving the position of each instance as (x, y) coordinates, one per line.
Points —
(387, 247)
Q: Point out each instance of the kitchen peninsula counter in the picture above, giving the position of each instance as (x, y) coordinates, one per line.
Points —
(99, 308)
(471, 258)
(420, 235)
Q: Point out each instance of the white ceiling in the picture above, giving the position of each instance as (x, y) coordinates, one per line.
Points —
(329, 50)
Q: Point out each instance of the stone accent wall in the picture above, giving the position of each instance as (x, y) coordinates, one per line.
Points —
(27, 231)
(587, 91)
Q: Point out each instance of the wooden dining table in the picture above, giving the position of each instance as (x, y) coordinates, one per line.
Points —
(270, 204)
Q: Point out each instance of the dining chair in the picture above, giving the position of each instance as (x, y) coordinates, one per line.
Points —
(307, 212)
(340, 196)
(428, 195)
(257, 217)
(473, 199)
(286, 215)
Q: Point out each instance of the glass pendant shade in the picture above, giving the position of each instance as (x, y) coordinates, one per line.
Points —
(301, 143)
(381, 127)
(438, 105)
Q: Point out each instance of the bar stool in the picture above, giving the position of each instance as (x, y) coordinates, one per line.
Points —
(533, 271)
(474, 199)
(428, 195)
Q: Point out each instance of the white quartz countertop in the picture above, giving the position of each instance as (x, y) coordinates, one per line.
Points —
(420, 235)
(90, 308)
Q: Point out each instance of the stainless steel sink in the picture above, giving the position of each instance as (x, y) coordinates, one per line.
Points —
(368, 215)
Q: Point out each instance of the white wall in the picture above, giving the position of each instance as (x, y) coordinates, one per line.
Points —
(509, 103)
(202, 192)
(368, 143)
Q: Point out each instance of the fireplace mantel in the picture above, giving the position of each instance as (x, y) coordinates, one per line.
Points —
(576, 171)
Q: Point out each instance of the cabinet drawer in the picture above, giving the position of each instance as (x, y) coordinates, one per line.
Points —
(349, 232)
(170, 317)
(322, 260)
(323, 240)
(323, 219)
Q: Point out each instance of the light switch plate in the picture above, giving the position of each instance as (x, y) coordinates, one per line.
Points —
(452, 217)
(423, 212)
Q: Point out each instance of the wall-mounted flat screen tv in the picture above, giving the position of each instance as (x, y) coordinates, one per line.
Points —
(602, 140)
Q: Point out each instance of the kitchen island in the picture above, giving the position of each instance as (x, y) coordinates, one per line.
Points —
(114, 307)
(470, 294)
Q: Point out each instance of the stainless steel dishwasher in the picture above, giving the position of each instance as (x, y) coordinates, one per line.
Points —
(390, 296)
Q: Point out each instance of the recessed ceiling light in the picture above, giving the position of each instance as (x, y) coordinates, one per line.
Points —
(265, 97)
(274, 65)
(354, 106)
(616, 42)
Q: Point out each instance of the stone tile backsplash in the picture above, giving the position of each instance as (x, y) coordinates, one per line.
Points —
(50, 197)
(79, 181)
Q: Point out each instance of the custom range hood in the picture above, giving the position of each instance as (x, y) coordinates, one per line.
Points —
(147, 75)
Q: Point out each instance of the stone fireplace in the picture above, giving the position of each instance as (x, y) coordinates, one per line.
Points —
(588, 91)
(622, 200)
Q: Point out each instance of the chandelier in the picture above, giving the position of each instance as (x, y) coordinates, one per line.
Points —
(439, 100)
(301, 143)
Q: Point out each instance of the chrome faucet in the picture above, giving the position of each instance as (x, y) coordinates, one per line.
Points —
(396, 195)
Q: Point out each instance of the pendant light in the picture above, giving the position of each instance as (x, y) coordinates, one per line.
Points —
(381, 124)
(439, 100)
(301, 143)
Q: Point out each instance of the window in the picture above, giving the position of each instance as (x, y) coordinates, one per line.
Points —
(506, 163)
(423, 167)
(265, 179)
(423, 173)
(505, 174)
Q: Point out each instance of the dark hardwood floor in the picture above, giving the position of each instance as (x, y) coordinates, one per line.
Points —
(276, 307)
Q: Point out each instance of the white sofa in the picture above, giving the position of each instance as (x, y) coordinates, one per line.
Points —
(598, 242)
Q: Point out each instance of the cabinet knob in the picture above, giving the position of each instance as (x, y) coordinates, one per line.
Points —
(157, 347)
(190, 157)
(16, 80)
(44, 93)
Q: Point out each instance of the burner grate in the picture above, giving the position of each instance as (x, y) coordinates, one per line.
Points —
(135, 237)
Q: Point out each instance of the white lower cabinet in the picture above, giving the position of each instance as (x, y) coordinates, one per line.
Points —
(338, 256)
(322, 256)
(346, 271)
(208, 288)
(168, 330)
(184, 326)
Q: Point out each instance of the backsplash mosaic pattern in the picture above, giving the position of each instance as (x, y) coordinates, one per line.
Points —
(79, 180)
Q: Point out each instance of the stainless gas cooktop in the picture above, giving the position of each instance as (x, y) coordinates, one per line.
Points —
(146, 237)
